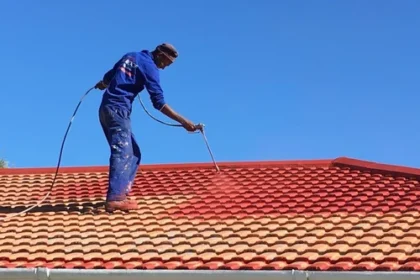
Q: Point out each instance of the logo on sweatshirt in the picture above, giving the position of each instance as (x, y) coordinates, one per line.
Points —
(128, 67)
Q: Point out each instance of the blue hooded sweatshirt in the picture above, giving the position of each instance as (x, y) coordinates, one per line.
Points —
(129, 76)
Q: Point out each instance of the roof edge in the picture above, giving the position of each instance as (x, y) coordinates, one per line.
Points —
(364, 165)
(220, 274)
(171, 166)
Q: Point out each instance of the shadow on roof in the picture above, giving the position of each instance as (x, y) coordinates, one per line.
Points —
(75, 207)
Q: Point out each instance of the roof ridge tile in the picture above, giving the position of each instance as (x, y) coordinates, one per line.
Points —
(381, 168)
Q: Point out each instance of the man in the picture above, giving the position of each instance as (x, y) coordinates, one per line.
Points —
(129, 76)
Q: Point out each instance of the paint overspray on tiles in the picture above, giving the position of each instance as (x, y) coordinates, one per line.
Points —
(269, 194)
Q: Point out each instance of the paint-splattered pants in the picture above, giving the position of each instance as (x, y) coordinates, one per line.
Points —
(125, 153)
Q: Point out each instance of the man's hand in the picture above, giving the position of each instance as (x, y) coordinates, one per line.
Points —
(188, 125)
(101, 85)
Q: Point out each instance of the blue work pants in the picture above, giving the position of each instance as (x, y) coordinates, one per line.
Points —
(125, 153)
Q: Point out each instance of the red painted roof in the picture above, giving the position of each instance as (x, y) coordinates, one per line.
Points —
(340, 214)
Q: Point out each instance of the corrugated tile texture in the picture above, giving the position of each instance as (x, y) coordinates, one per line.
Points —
(272, 216)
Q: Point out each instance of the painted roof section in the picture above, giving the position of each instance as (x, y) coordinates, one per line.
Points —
(341, 214)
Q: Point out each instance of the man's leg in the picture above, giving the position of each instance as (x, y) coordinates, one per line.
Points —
(135, 162)
(117, 129)
(121, 156)
(103, 119)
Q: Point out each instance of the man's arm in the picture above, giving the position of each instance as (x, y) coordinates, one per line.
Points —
(169, 112)
(152, 85)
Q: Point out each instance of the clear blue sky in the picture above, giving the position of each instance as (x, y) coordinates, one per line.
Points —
(272, 80)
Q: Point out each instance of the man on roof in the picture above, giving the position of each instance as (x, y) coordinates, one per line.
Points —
(129, 76)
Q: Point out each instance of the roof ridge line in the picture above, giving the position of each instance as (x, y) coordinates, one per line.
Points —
(173, 166)
(395, 170)
(365, 165)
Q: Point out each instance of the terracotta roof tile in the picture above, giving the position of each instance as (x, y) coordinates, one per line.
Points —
(340, 214)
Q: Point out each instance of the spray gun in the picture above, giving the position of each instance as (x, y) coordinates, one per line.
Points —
(200, 127)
